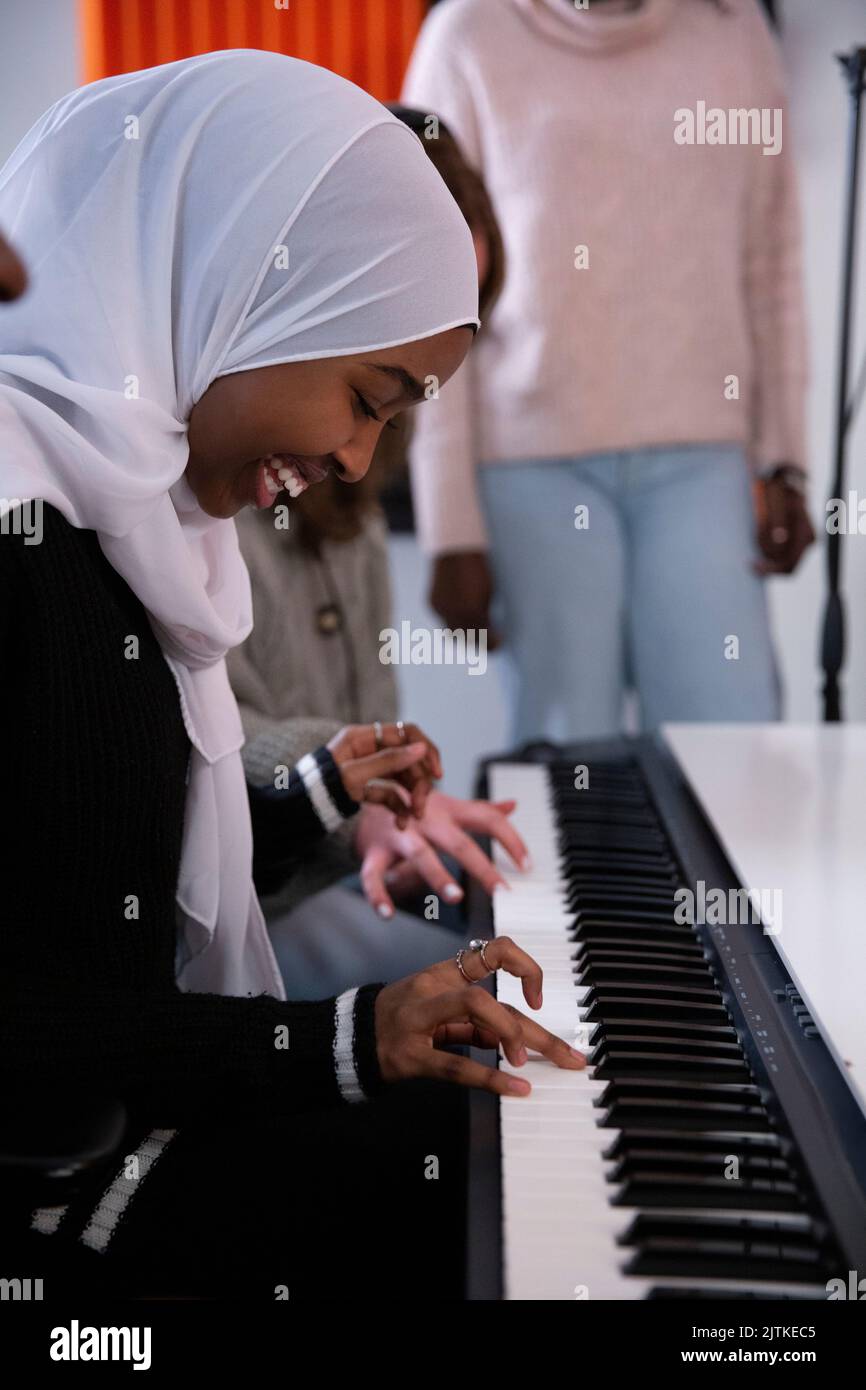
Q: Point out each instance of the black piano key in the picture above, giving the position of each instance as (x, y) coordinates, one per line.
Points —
(618, 947)
(752, 1161)
(614, 832)
(677, 1244)
(726, 1143)
(624, 896)
(628, 865)
(625, 916)
(648, 935)
(714, 1042)
(655, 989)
(600, 953)
(648, 958)
(620, 1007)
(672, 1190)
(710, 1292)
(633, 1111)
(615, 972)
(617, 1064)
(662, 1050)
(739, 1093)
(602, 883)
(615, 1040)
(685, 1259)
(685, 1032)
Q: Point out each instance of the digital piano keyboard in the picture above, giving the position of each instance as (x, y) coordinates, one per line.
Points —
(714, 1147)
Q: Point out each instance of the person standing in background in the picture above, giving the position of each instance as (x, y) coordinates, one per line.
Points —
(634, 416)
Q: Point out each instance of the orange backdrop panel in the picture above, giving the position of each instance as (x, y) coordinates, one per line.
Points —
(368, 41)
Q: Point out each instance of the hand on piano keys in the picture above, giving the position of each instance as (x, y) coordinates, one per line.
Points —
(438, 1008)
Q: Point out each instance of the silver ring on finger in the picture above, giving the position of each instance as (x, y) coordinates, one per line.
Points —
(377, 730)
(478, 946)
(459, 962)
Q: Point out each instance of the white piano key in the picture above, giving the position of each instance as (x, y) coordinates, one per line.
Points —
(560, 1231)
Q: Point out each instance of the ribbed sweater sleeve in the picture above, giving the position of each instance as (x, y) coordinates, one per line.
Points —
(443, 470)
(273, 743)
(443, 449)
(774, 279)
(290, 820)
(177, 1058)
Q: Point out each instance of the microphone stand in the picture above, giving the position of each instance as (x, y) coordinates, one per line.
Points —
(833, 633)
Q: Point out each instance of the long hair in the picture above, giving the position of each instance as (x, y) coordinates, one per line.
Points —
(468, 191)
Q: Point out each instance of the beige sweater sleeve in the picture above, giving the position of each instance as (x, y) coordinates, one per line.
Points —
(774, 278)
(443, 471)
(283, 742)
(442, 451)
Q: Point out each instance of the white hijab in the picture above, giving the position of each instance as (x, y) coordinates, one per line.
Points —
(200, 218)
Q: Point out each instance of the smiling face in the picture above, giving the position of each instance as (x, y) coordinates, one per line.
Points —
(257, 431)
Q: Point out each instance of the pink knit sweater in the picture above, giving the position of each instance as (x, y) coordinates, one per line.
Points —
(691, 268)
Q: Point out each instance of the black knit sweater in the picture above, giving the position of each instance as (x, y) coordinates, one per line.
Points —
(94, 762)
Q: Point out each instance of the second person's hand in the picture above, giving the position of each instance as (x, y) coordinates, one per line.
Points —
(396, 862)
(391, 765)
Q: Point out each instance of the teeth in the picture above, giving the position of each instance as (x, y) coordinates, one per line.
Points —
(292, 480)
(271, 483)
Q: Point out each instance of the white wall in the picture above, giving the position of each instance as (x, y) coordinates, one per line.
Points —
(39, 61)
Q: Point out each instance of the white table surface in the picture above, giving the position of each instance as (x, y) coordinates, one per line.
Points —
(788, 803)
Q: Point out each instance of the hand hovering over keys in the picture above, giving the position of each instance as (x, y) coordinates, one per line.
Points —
(396, 862)
(438, 1007)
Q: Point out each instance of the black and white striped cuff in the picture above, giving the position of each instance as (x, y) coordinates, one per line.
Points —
(324, 786)
(356, 1063)
(103, 1220)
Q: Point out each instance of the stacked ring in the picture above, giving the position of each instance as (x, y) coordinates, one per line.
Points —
(477, 947)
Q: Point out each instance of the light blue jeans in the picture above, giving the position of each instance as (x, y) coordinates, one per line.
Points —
(657, 592)
(335, 939)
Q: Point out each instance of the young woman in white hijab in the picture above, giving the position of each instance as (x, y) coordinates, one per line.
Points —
(242, 266)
